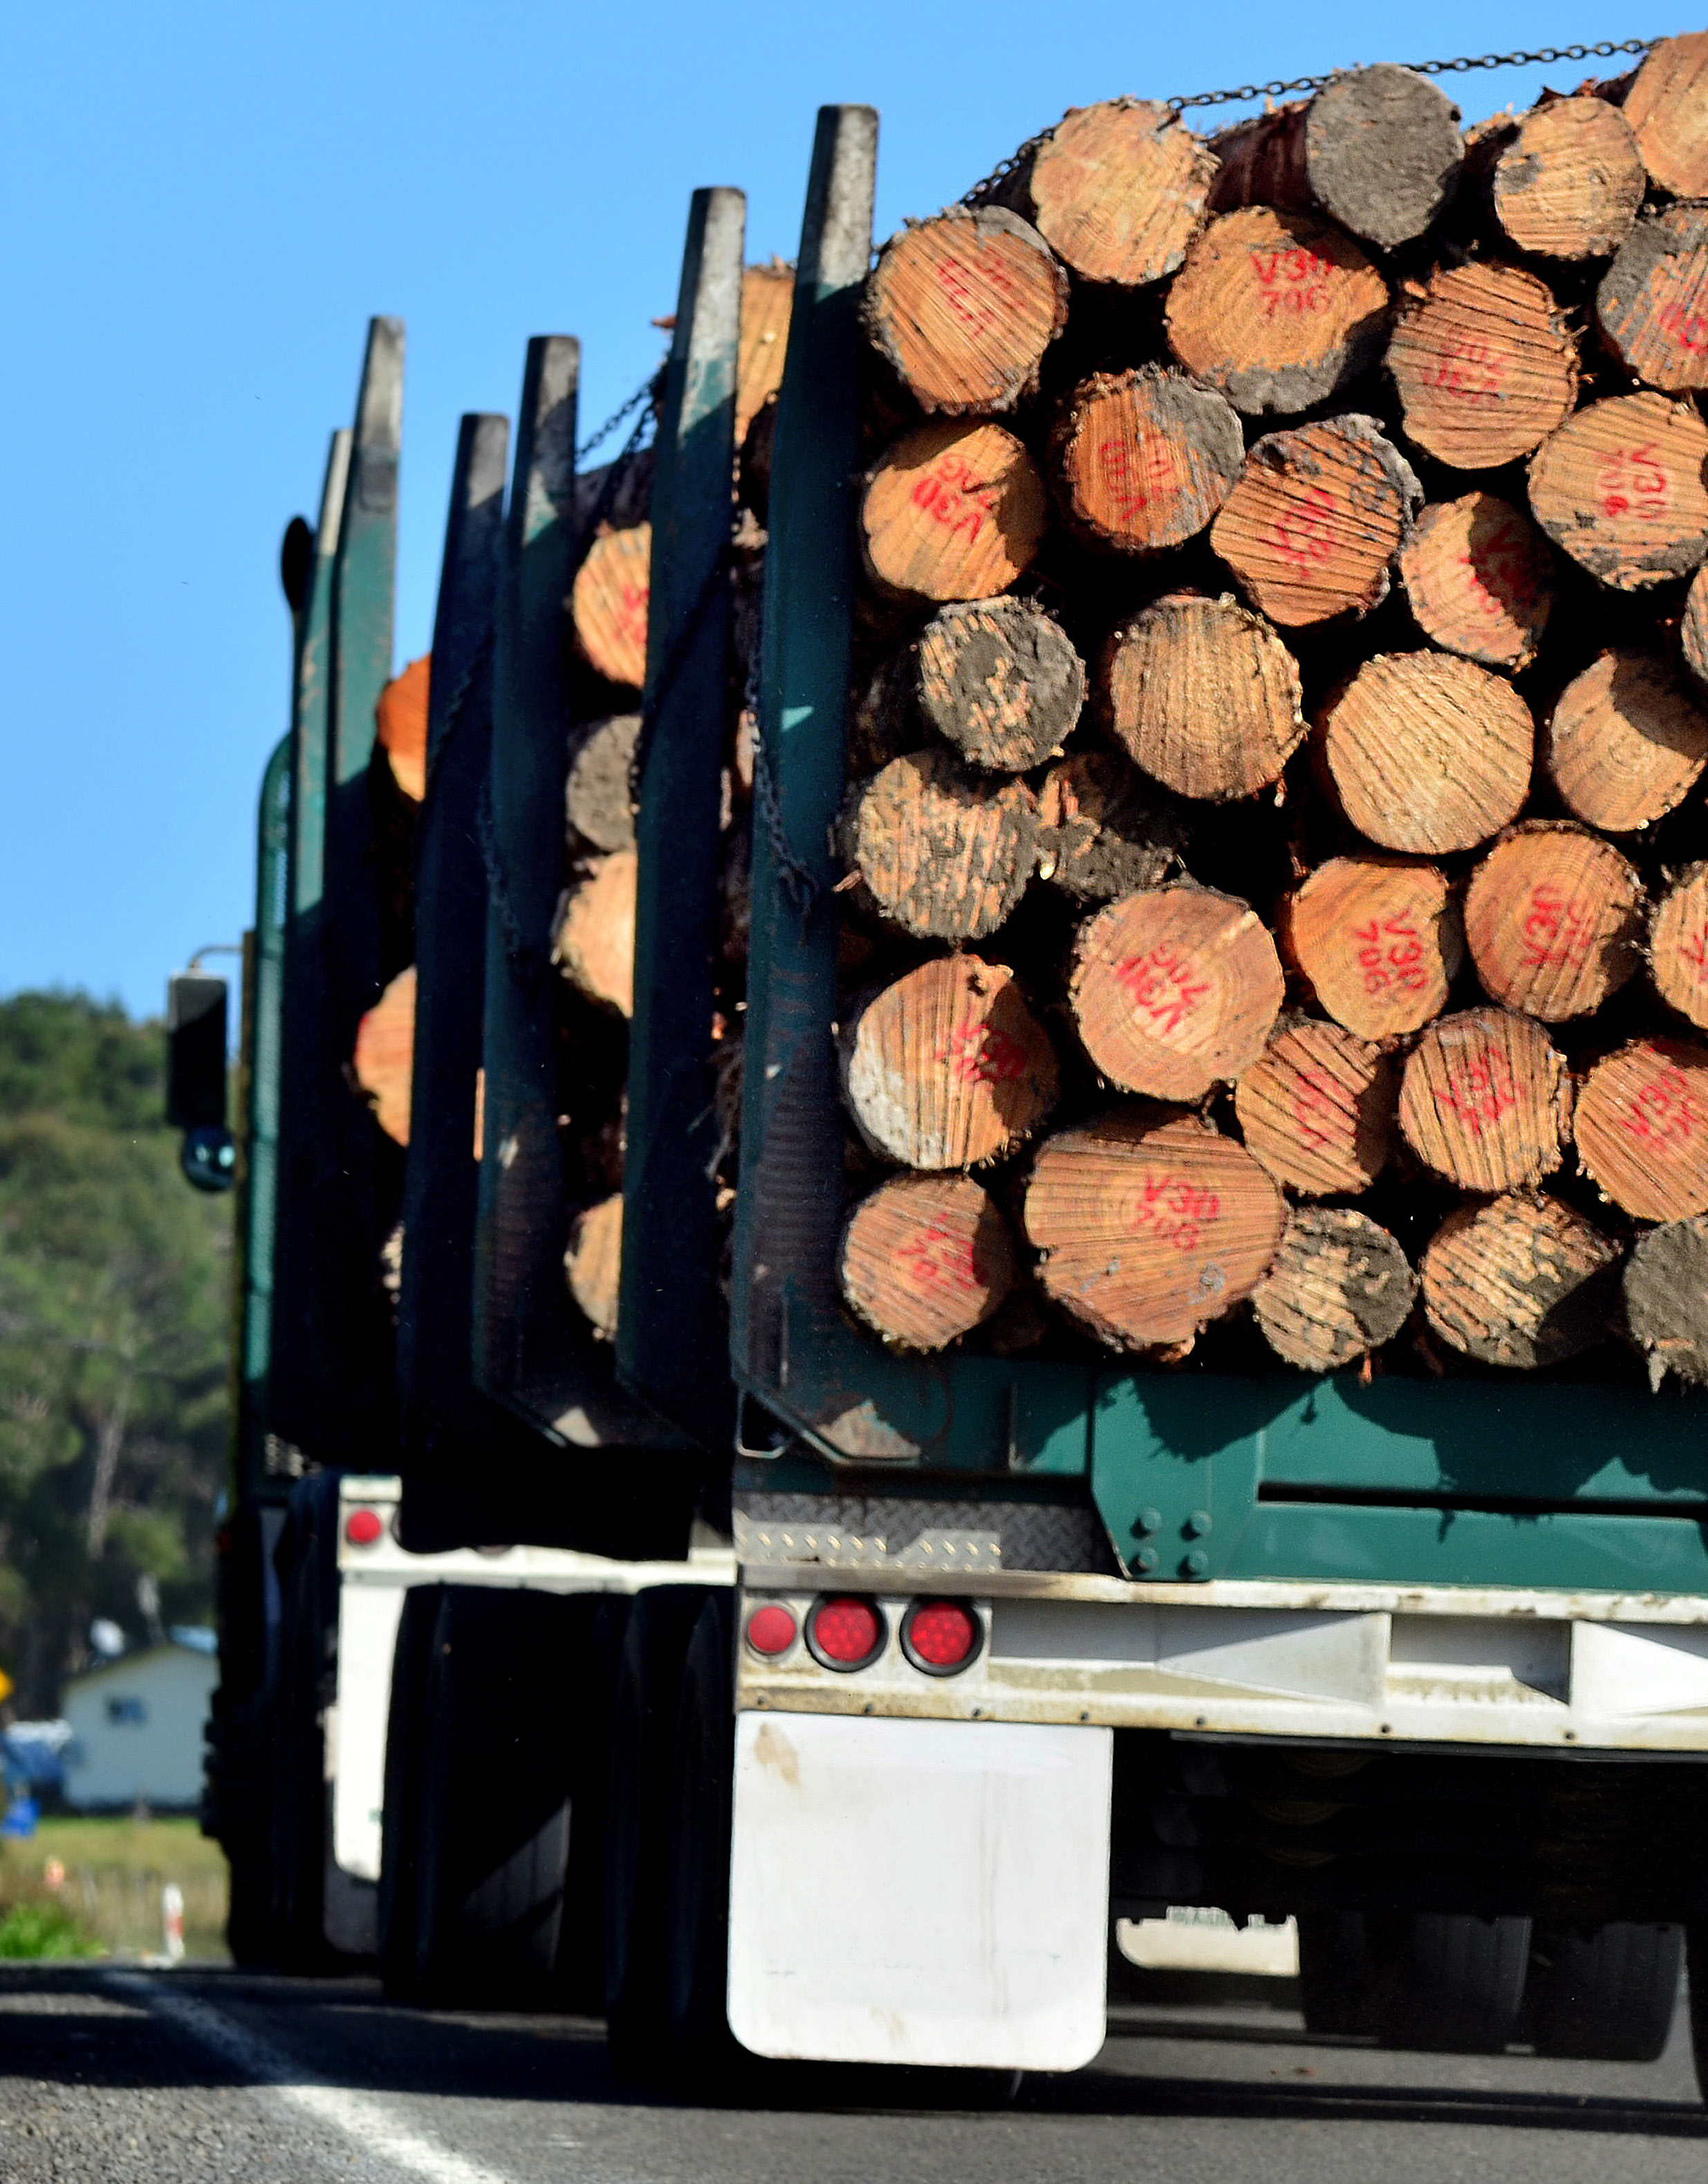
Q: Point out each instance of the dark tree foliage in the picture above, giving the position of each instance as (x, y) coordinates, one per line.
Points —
(115, 1283)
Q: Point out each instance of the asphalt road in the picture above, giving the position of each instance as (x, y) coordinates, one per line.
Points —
(111, 2077)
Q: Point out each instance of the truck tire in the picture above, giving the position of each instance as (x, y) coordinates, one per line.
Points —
(1605, 1996)
(643, 1736)
(492, 1842)
(1339, 1973)
(1458, 1984)
(400, 1813)
(580, 1981)
(1696, 1986)
(301, 1813)
(702, 2049)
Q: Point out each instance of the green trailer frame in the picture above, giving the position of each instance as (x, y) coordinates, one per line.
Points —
(1195, 1476)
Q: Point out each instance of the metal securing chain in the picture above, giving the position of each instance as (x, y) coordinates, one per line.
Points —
(798, 884)
(1606, 49)
(647, 392)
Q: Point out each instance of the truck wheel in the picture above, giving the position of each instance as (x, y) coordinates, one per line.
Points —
(492, 1843)
(1458, 1987)
(1696, 1986)
(643, 1735)
(301, 1816)
(580, 1984)
(401, 1814)
(1605, 1996)
(697, 1867)
(1338, 1973)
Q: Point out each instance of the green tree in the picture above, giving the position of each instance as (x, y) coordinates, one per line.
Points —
(114, 1281)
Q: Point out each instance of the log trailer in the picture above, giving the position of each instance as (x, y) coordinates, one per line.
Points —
(822, 1700)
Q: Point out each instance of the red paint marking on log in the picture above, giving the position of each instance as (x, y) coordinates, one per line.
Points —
(1557, 929)
(1176, 1210)
(953, 495)
(980, 1053)
(1470, 371)
(1664, 1113)
(935, 1259)
(1300, 534)
(1161, 988)
(1632, 479)
(1399, 963)
(1479, 1093)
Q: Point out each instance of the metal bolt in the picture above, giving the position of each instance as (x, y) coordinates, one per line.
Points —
(1196, 1524)
(1148, 1521)
(1194, 1564)
(1145, 1559)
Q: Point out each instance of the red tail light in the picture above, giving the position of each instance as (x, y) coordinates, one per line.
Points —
(845, 1632)
(940, 1636)
(362, 1527)
(771, 1630)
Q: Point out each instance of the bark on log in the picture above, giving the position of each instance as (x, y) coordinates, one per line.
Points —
(768, 297)
(1104, 831)
(1378, 941)
(1118, 190)
(1479, 580)
(1692, 631)
(1175, 991)
(1620, 487)
(963, 307)
(926, 1259)
(385, 1055)
(885, 722)
(1570, 184)
(1142, 460)
(1204, 696)
(1378, 149)
(1428, 754)
(946, 852)
(1666, 1285)
(1000, 681)
(1551, 920)
(1262, 162)
(593, 1264)
(949, 1066)
(953, 511)
(1383, 152)
(1316, 517)
(1277, 309)
(1652, 305)
(1678, 946)
(1627, 741)
(1317, 1109)
(400, 721)
(1485, 1100)
(1667, 108)
(608, 604)
(1485, 364)
(593, 940)
(598, 793)
(1641, 1128)
(1523, 1282)
(1150, 1227)
(1340, 1287)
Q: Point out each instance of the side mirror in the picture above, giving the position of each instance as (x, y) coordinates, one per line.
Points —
(196, 1079)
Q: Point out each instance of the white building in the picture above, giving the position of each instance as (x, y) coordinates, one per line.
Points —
(136, 1728)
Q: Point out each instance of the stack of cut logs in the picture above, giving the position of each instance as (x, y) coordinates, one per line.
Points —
(1275, 775)
(594, 932)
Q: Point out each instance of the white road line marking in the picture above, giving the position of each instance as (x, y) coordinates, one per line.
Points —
(360, 2116)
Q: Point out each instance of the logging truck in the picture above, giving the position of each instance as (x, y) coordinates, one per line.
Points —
(1052, 1099)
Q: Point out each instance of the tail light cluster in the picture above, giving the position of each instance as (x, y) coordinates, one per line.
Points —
(363, 1527)
(846, 1632)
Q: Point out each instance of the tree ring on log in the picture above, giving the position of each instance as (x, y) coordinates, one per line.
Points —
(1620, 487)
(926, 1259)
(1551, 919)
(1642, 1128)
(1522, 1281)
(1340, 1287)
(1485, 1100)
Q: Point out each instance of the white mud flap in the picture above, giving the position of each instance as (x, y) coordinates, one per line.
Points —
(368, 1618)
(919, 1892)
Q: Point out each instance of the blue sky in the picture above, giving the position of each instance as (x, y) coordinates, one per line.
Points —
(204, 203)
